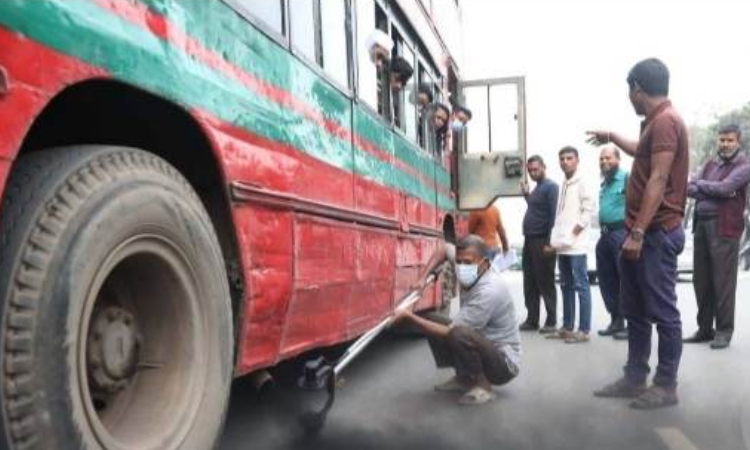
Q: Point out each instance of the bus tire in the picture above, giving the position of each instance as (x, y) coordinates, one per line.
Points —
(115, 318)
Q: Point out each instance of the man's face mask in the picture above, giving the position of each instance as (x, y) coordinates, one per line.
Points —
(467, 274)
(457, 126)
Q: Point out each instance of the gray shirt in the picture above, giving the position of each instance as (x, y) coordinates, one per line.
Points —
(488, 308)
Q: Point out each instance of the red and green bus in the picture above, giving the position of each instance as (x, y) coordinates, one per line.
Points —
(194, 190)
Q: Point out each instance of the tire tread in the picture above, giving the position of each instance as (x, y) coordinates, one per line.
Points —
(31, 180)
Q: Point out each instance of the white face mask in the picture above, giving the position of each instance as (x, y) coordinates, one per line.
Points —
(467, 274)
(457, 125)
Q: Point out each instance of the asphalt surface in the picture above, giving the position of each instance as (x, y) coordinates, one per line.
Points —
(387, 402)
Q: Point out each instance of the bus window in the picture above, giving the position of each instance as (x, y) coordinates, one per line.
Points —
(334, 35)
(367, 73)
(270, 12)
(424, 80)
(302, 27)
(479, 142)
(504, 118)
(397, 100)
(408, 99)
(495, 144)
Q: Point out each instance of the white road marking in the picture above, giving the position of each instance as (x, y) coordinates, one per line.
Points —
(674, 439)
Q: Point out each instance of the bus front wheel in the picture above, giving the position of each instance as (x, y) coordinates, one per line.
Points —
(116, 328)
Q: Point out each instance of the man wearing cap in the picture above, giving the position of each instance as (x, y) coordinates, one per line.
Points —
(655, 206)
(379, 46)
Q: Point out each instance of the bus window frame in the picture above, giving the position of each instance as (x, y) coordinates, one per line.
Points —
(286, 43)
(316, 20)
(359, 101)
(411, 39)
(352, 93)
(425, 68)
(351, 61)
(520, 84)
(243, 11)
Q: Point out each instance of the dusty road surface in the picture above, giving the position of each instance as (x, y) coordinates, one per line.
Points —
(387, 401)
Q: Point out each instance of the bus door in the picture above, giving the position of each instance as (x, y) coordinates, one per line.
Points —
(492, 147)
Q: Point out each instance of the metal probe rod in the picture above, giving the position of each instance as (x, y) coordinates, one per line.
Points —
(365, 339)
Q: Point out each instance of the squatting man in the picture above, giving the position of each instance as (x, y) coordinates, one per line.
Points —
(482, 344)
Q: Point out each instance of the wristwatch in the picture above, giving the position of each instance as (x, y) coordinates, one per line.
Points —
(637, 234)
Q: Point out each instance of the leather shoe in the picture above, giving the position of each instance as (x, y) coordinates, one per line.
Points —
(720, 342)
(526, 326)
(615, 326)
(621, 388)
(655, 397)
(699, 337)
(548, 329)
(620, 335)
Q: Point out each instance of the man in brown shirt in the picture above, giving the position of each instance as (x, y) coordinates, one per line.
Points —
(487, 224)
(655, 205)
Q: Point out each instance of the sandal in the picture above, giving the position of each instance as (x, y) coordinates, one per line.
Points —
(476, 396)
(655, 397)
(577, 338)
(455, 384)
(562, 333)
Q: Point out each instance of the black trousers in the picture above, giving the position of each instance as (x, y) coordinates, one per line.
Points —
(470, 354)
(539, 280)
(714, 277)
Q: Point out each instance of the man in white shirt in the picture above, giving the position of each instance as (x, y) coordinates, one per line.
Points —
(570, 240)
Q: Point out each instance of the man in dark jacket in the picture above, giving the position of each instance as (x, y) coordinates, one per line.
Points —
(538, 264)
(719, 191)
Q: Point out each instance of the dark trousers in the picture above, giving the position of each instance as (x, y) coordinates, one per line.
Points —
(714, 277)
(470, 354)
(539, 280)
(608, 269)
(649, 297)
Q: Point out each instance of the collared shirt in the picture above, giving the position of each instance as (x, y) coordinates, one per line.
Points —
(612, 198)
(488, 308)
(540, 213)
(662, 131)
(717, 181)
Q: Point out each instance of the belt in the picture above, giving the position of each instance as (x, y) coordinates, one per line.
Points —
(610, 227)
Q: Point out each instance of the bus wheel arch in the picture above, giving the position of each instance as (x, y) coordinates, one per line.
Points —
(449, 229)
(109, 112)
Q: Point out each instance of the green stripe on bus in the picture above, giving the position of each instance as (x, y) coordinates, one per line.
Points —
(275, 65)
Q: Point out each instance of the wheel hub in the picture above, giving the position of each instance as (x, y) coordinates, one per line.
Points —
(113, 349)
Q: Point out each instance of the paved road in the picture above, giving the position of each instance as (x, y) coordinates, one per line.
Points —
(387, 400)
